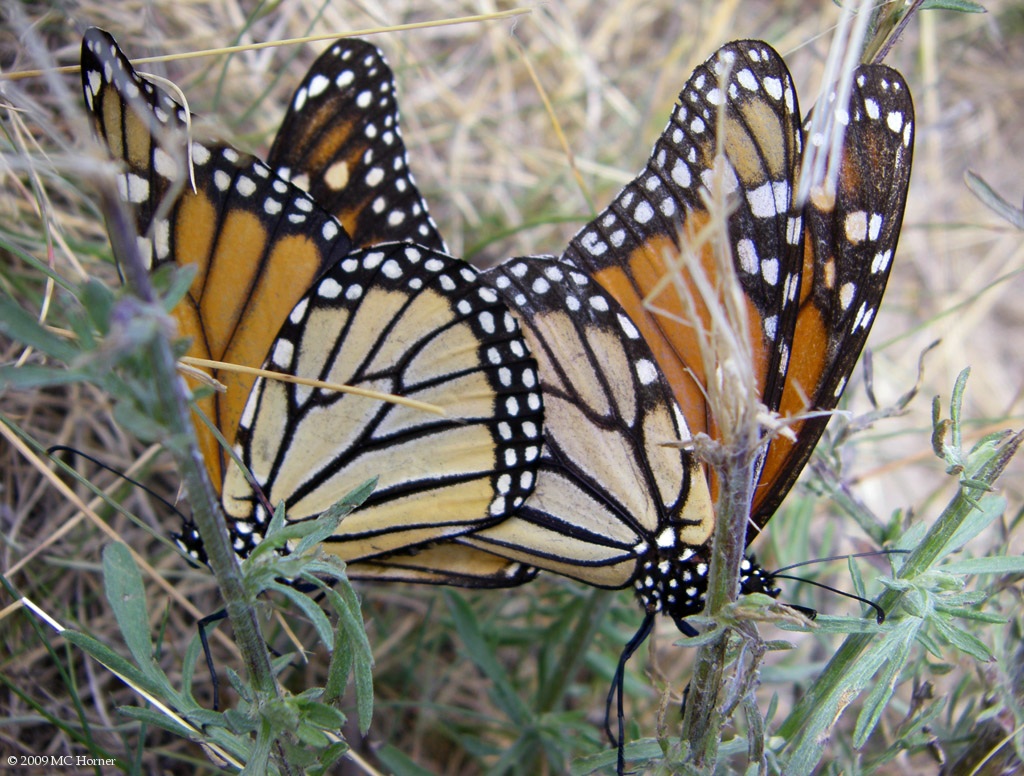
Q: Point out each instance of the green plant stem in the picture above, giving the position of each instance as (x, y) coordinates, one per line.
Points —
(702, 717)
(205, 510)
(919, 561)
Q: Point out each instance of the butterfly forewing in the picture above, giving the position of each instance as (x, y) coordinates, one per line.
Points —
(256, 241)
(341, 141)
(403, 320)
(850, 242)
(740, 104)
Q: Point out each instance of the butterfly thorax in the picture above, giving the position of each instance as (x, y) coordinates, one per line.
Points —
(673, 579)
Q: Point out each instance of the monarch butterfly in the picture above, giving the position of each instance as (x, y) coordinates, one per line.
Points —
(812, 278)
(279, 282)
(612, 507)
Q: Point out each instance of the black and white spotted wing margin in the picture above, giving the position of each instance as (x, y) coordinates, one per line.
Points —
(404, 320)
(341, 141)
(255, 242)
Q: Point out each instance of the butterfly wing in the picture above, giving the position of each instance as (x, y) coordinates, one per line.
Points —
(402, 320)
(341, 142)
(849, 245)
(741, 104)
(399, 318)
(446, 563)
(613, 505)
(252, 238)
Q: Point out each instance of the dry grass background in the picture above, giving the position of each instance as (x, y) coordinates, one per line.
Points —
(488, 160)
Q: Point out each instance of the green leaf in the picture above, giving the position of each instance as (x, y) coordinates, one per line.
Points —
(189, 664)
(105, 655)
(976, 523)
(829, 623)
(993, 564)
(127, 599)
(894, 654)
(311, 736)
(138, 422)
(481, 653)
(238, 722)
(323, 716)
(327, 758)
(173, 282)
(960, 6)
(356, 652)
(18, 324)
(399, 763)
(205, 718)
(961, 639)
(157, 719)
(994, 201)
(33, 376)
(98, 302)
(310, 608)
(326, 525)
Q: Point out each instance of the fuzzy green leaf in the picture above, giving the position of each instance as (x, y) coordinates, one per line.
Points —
(156, 719)
(127, 599)
(993, 564)
(18, 324)
(895, 652)
(961, 639)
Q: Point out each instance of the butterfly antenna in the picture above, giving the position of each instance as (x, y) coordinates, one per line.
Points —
(618, 682)
(205, 622)
(879, 611)
(66, 449)
(868, 554)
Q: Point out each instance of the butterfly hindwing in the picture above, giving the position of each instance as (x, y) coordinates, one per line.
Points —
(444, 563)
(403, 320)
(615, 503)
(341, 141)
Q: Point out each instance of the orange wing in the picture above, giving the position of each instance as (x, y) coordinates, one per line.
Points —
(341, 141)
(652, 229)
(848, 250)
(812, 277)
(246, 233)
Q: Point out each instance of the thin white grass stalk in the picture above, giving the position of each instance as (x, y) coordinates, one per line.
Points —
(830, 116)
(330, 36)
(196, 734)
(267, 374)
